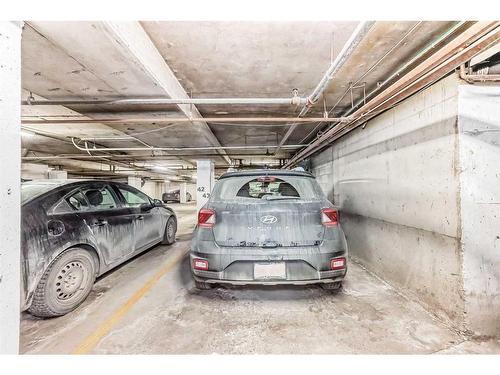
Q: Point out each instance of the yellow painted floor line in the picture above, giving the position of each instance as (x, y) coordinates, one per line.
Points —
(93, 339)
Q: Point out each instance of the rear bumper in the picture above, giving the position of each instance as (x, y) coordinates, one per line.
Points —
(302, 265)
(212, 280)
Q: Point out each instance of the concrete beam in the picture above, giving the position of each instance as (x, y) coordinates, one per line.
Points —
(10, 159)
(135, 43)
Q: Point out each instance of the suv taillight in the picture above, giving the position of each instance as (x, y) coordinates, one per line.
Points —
(337, 263)
(206, 218)
(329, 217)
(200, 264)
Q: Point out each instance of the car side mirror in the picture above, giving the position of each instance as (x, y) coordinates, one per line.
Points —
(157, 203)
(146, 207)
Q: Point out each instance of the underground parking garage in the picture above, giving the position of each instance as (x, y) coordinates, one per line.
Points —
(170, 178)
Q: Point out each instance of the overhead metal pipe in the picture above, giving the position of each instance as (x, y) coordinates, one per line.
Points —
(294, 100)
(357, 36)
(127, 157)
(469, 43)
(394, 75)
(405, 66)
(245, 147)
(358, 80)
(183, 119)
(476, 78)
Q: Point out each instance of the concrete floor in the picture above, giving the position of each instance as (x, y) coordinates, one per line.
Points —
(150, 305)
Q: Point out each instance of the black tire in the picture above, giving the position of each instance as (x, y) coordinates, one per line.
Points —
(65, 284)
(201, 285)
(332, 286)
(170, 231)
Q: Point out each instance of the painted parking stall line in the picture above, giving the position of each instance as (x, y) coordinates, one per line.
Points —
(94, 338)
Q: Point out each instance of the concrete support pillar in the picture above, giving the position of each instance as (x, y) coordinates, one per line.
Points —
(182, 192)
(10, 160)
(160, 189)
(205, 181)
(58, 175)
(191, 189)
(134, 182)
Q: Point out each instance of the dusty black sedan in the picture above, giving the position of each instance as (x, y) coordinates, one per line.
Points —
(74, 231)
(175, 196)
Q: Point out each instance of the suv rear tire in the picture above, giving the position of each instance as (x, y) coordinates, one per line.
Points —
(336, 286)
(201, 285)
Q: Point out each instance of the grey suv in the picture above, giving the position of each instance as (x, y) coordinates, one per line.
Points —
(268, 227)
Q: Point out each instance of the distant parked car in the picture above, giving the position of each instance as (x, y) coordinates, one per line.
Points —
(175, 196)
(268, 227)
(74, 231)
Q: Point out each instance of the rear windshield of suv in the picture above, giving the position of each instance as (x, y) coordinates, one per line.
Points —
(267, 188)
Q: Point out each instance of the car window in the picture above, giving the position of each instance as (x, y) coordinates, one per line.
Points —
(99, 198)
(78, 201)
(250, 187)
(134, 198)
(258, 188)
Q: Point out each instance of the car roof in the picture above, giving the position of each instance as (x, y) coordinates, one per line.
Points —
(49, 182)
(267, 172)
(56, 183)
(49, 186)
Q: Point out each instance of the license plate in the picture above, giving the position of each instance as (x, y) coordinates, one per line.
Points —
(269, 270)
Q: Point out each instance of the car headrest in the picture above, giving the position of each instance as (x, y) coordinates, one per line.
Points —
(94, 196)
(286, 189)
(244, 191)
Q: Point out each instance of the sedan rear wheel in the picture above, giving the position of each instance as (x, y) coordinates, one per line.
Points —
(65, 284)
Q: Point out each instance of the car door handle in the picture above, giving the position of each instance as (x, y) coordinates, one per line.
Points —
(100, 222)
(140, 217)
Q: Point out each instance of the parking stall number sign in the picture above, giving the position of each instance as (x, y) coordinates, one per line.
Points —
(204, 192)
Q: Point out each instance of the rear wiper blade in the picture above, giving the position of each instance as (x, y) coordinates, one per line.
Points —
(276, 198)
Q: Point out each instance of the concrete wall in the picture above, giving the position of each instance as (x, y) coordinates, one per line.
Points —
(419, 192)
(479, 123)
(10, 206)
(398, 188)
(191, 189)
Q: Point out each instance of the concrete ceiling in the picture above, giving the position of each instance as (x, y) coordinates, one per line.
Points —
(99, 60)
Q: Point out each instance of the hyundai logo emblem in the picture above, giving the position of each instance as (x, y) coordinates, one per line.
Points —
(268, 219)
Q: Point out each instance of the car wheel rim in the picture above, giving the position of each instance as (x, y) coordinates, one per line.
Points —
(70, 281)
